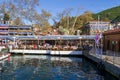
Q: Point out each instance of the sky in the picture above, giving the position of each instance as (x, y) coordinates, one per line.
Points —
(95, 6)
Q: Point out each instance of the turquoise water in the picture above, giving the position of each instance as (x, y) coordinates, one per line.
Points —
(38, 67)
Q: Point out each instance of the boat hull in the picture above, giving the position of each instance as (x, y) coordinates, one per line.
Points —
(4, 56)
(47, 52)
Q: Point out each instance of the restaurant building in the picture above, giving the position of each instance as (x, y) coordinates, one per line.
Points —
(3, 29)
(20, 30)
(3, 32)
(112, 37)
(112, 40)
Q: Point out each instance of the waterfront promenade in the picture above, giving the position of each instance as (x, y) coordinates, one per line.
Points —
(108, 61)
(108, 56)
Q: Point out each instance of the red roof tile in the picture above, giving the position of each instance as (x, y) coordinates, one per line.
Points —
(112, 31)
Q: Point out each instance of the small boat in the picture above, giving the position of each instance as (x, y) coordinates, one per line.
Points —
(4, 52)
(4, 56)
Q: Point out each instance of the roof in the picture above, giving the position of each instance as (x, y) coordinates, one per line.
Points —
(22, 27)
(57, 37)
(4, 25)
(51, 37)
(115, 31)
(20, 31)
(99, 21)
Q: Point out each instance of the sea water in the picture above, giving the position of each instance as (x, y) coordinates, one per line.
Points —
(45, 67)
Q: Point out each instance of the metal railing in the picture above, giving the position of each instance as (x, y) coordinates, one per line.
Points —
(113, 57)
(108, 56)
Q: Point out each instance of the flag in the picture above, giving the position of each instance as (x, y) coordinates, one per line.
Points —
(98, 37)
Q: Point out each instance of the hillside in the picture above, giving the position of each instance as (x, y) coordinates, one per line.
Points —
(108, 14)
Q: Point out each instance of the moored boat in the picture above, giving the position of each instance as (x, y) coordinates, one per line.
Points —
(4, 56)
(51, 45)
(4, 52)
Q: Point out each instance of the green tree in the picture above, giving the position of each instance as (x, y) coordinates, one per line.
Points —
(75, 23)
(17, 22)
(6, 17)
(62, 18)
(24, 9)
(108, 14)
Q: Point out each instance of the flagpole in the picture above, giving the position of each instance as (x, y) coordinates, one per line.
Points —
(96, 43)
(100, 37)
(98, 22)
(96, 48)
(101, 44)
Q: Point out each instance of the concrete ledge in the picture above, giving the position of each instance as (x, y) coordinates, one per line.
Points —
(31, 51)
(65, 52)
(111, 68)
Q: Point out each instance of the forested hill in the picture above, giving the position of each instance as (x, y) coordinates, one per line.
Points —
(108, 14)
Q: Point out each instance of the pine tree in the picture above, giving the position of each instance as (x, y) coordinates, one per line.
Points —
(6, 17)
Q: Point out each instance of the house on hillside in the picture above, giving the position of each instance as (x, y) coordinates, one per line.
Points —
(24, 30)
(3, 32)
(93, 27)
(3, 29)
(116, 22)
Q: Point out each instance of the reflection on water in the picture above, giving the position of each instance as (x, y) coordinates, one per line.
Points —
(39, 67)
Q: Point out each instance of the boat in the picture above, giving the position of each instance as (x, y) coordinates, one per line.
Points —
(4, 56)
(49, 45)
(4, 52)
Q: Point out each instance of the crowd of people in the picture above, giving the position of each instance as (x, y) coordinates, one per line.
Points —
(56, 45)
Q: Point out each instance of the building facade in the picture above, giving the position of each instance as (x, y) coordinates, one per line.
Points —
(4, 29)
(4, 22)
(112, 40)
(93, 27)
(115, 23)
(112, 36)
(20, 30)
